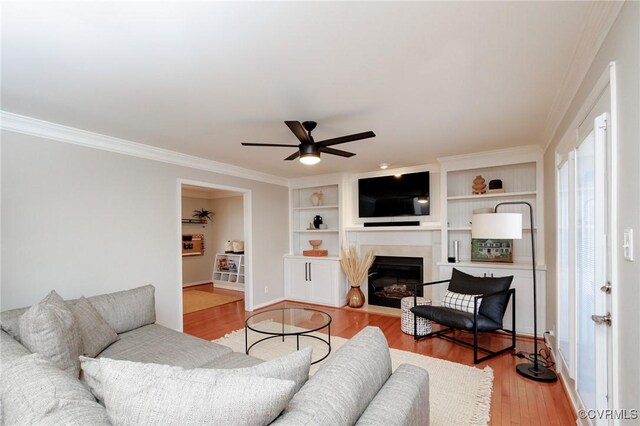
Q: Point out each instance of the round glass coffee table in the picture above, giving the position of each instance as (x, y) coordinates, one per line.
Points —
(298, 322)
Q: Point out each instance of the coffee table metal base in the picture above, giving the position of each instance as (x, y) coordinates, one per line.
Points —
(283, 334)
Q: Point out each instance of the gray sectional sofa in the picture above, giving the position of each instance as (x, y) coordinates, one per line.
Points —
(354, 386)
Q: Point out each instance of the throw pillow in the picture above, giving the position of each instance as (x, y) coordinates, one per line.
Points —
(96, 333)
(49, 328)
(153, 394)
(294, 367)
(459, 302)
(34, 391)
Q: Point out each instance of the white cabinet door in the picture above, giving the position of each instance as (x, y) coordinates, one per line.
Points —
(322, 282)
(297, 283)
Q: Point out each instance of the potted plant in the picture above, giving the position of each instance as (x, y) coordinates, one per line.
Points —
(203, 215)
(355, 270)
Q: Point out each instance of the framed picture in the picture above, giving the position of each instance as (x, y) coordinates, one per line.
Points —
(488, 250)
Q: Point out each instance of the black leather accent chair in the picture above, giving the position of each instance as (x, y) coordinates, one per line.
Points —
(493, 294)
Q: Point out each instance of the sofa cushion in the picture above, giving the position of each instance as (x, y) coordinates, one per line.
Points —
(491, 307)
(161, 345)
(10, 349)
(96, 333)
(152, 394)
(403, 400)
(34, 391)
(49, 329)
(232, 360)
(293, 367)
(9, 322)
(127, 310)
(340, 391)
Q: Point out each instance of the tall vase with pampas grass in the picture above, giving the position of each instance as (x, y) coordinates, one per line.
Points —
(356, 270)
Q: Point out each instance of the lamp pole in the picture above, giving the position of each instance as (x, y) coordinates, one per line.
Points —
(532, 370)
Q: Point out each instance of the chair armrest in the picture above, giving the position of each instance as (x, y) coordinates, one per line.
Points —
(415, 286)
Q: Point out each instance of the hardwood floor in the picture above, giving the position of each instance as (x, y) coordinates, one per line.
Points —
(515, 399)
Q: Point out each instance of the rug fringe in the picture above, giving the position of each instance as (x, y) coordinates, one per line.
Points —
(483, 402)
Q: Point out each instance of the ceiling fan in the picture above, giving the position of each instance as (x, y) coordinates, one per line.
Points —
(308, 149)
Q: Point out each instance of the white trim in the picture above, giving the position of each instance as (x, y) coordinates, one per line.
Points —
(31, 126)
(248, 243)
(598, 23)
(499, 157)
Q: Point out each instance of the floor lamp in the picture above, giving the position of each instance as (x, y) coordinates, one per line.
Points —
(509, 226)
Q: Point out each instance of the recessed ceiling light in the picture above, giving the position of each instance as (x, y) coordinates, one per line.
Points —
(384, 166)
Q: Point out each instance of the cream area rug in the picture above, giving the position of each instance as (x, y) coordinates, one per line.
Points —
(458, 394)
(196, 300)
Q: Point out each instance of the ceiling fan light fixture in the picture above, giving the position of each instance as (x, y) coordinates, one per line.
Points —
(310, 159)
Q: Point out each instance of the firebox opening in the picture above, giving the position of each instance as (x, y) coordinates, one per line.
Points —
(391, 278)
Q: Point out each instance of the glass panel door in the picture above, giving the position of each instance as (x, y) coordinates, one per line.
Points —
(564, 262)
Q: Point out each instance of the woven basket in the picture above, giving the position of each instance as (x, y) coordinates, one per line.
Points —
(424, 325)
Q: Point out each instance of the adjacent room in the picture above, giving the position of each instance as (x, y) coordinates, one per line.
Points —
(320, 213)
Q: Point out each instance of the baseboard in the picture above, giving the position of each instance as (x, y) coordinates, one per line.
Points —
(196, 283)
(264, 305)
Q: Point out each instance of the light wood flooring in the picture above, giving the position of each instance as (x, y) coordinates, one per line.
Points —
(515, 400)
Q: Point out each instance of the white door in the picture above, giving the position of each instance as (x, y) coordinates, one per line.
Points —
(592, 263)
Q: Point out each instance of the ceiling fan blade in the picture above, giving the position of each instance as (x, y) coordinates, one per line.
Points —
(345, 139)
(299, 131)
(268, 144)
(337, 152)
(293, 156)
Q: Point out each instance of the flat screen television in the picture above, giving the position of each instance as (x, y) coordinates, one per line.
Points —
(388, 196)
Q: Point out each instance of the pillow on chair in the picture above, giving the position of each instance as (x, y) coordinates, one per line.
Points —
(492, 307)
(460, 302)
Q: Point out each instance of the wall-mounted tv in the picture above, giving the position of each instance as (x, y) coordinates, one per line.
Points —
(387, 196)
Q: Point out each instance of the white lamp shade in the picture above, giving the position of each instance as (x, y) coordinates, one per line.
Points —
(499, 226)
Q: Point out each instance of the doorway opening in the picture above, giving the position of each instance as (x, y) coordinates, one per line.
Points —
(215, 244)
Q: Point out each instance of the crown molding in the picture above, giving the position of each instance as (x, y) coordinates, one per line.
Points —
(596, 27)
(31, 126)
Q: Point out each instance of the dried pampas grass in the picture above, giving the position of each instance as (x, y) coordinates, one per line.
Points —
(356, 269)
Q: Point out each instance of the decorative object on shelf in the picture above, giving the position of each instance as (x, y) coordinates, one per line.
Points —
(456, 251)
(203, 215)
(495, 187)
(317, 221)
(228, 246)
(509, 226)
(483, 210)
(317, 198)
(479, 186)
(356, 270)
(316, 252)
(311, 226)
(315, 244)
(491, 250)
(324, 226)
(238, 247)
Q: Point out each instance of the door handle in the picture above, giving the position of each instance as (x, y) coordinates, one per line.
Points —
(602, 319)
(306, 274)
(606, 288)
(309, 271)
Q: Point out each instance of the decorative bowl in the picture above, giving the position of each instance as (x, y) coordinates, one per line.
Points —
(315, 244)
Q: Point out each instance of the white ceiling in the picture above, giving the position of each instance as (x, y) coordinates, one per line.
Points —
(430, 79)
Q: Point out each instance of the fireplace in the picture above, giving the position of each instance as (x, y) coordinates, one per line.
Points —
(391, 278)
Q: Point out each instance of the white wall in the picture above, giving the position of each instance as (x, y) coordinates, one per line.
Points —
(198, 269)
(622, 45)
(228, 223)
(85, 222)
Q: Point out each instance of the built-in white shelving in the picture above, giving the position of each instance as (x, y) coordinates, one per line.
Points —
(303, 212)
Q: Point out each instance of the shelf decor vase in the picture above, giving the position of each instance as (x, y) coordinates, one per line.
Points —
(356, 270)
(316, 198)
(355, 297)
